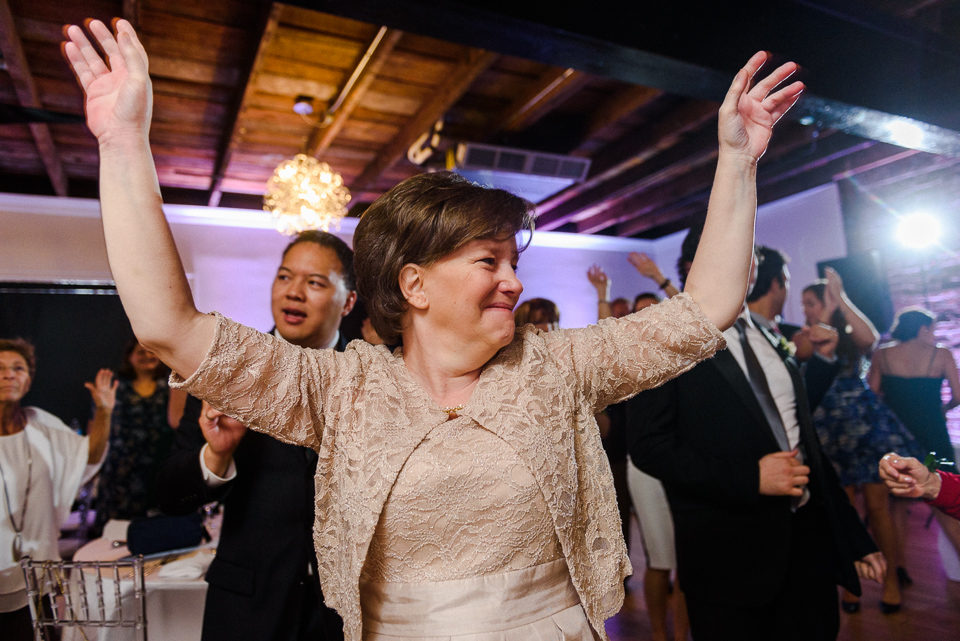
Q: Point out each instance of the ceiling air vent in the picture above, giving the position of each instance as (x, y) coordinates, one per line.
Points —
(528, 174)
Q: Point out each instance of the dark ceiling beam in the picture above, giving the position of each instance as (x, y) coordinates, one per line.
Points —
(322, 137)
(444, 97)
(651, 144)
(672, 164)
(234, 134)
(551, 89)
(16, 65)
(131, 12)
(611, 113)
(693, 182)
(863, 67)
(700, 178)
(775, 180)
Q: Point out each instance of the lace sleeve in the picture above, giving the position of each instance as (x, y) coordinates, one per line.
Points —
(617, 358)
(264, 382)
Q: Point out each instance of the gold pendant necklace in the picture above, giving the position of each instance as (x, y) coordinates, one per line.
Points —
(453, 410)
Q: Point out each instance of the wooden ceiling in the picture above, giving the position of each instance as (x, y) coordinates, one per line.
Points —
(226, 75)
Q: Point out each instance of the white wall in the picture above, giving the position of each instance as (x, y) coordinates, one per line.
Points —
(808, 227)
(231, 255)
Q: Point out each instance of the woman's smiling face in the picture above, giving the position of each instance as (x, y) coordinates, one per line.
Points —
(473, 290)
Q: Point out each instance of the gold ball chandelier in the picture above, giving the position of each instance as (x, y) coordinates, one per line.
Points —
(303, 194)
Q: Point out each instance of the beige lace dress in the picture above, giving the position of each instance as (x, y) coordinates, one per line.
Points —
(498, 524)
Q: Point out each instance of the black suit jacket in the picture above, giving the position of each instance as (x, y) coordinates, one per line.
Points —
(703, 434)
(259, 584)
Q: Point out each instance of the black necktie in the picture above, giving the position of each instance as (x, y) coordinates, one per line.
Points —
(761, 389)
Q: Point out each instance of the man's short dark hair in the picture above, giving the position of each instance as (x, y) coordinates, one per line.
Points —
(646, 296)
(334, 244)
(772, 262)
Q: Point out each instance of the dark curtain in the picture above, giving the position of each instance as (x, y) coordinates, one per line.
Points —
(76, 329)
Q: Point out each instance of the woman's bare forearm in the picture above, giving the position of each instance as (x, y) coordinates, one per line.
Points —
(718, 277)
(143, 256)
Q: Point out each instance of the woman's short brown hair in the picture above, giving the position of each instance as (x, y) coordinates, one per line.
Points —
(420, 221)
(25, 349)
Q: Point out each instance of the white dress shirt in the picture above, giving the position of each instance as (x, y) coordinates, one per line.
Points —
(778, 378)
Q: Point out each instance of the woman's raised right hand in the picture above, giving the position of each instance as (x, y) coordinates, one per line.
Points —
(118, 97)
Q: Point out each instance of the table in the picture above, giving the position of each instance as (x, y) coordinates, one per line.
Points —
(174, 605)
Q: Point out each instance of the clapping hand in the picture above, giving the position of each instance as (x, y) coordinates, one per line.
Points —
(118, 99)
(748, 114)
(832, 294)
(823, 338)
(103, 390)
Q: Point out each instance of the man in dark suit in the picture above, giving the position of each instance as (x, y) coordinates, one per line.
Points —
(764, 532)
(263, 581)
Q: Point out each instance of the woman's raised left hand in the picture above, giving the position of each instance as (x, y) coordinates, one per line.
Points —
(748, 114)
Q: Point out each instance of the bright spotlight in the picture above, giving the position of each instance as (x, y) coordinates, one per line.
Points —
(919, 230)
(905, 133)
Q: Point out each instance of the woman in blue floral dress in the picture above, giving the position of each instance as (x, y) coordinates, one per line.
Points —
(140, 438)
(854, 426)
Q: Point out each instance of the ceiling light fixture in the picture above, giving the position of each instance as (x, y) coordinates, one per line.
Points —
(303, 194)
(919, 230)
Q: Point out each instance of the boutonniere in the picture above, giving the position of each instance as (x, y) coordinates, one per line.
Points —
(787, 348)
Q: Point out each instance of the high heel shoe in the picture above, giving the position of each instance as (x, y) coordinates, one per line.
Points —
(852, 607)
(889, 608)
(904, 578)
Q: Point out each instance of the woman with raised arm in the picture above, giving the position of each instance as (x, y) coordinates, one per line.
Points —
(43, 464)
(854, 426)
(461, 485)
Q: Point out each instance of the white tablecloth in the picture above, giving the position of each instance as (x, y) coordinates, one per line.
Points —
(174, 605)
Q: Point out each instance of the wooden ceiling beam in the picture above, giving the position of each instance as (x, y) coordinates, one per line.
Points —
(624, 156)
(693, 182)
(551, 89)
(231, 141)
(131, 12)
(613, 111)
(664, 157)
(476, 62)
(16, 65)
(779, 180)
(321, 138)
(655, 195)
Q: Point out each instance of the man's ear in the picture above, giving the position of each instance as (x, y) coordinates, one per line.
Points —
(411, 286)
(350, 302)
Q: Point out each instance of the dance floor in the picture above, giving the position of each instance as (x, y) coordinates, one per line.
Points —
(931, 606)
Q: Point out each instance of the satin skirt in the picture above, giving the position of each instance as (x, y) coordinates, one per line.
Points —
(537, 603)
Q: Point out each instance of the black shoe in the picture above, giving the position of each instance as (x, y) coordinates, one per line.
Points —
(852, 607)
(903, 578)
(889, 608)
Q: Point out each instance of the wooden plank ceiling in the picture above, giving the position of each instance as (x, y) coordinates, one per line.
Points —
(226, 75)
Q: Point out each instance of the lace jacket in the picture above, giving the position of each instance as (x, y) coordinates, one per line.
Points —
(364, 414)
